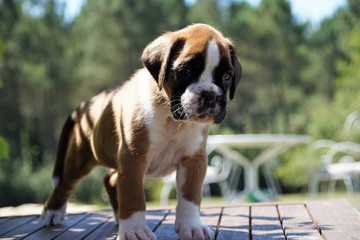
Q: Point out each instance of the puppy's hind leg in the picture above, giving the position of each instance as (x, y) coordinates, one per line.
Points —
(74, 160)
(110, 182)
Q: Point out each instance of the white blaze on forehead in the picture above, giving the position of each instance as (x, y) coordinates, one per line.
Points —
(206, 80)
(212, 59)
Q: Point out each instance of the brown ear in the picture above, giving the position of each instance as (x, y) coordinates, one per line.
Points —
(238, 71)
(158, 54)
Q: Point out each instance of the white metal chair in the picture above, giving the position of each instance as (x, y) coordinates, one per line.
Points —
(352, 124)
(340, 163)
(340, 159)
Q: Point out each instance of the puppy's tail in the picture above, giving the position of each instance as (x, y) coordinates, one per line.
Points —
(62, 149)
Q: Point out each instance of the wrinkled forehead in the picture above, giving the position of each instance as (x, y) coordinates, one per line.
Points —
(197, 40)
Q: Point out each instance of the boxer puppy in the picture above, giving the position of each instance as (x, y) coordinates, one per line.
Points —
(153, 124)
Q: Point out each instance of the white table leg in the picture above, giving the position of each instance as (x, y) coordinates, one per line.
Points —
(251, 178)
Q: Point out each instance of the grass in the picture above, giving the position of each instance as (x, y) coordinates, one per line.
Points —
(353, 199)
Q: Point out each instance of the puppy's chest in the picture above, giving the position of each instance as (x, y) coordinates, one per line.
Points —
(169, 145)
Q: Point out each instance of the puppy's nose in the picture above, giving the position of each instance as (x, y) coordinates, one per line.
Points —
(208, 99)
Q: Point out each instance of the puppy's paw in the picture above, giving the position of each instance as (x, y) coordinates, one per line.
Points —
(199, 231)
(51, 217)
(140, 233)
(135, 228)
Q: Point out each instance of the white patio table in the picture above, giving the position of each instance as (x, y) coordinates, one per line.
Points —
(270, 145)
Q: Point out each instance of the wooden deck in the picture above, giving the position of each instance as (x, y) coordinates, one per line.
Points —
(334, 219)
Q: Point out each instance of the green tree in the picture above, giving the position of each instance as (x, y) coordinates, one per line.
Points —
(4, 148)
(36, 78)
(331, 81)
(268, 41)
(329, 75)
(109, 37)
(207, 11)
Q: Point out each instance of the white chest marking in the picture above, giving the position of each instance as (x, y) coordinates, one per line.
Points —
(169, 142)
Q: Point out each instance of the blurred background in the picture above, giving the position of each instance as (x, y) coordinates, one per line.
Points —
(301, 75)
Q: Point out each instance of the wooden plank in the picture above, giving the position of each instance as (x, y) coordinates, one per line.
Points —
(265, 223)
(3, 219)
(166, 229)
(85, 226)
(330, 220)
(335, 219)
(109, 229)
(234, 223)
(106, 231)
(24, 230)
(155, 217)
(54, 231)
(14, 222)
(297, 223)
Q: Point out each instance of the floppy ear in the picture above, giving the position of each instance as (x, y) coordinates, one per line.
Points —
(158, 54)
(238, 71)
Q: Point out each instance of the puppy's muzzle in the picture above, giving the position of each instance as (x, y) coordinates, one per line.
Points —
(202, 106)
(209, 107)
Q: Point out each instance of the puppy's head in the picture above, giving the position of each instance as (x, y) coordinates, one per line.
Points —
(195, 67)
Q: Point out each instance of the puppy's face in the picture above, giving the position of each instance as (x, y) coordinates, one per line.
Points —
(196, 67)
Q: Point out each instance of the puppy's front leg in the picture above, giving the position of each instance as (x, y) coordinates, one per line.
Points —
(190, 176)
(132, 224)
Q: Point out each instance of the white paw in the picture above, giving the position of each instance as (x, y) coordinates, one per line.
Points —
(139, 233)
(51, 217)
(187, 231)
(188, 225)
(135, 228)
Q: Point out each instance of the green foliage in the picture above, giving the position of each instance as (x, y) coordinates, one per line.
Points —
(153, 190)
(119, 31)
(348, 83)
(295, 79)
(21, 183)
(91, 189)
(294, 163)
(4, 149)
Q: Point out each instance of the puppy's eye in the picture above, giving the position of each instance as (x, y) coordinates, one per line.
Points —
(227, 76)
(184, 72)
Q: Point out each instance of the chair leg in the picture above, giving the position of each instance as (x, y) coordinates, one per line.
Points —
(165, 194)
(225, 191)
(349, 185)
(314, 186)
(206, 190)
(331, 187)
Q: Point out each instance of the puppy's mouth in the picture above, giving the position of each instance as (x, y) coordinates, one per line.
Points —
(204, 118)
